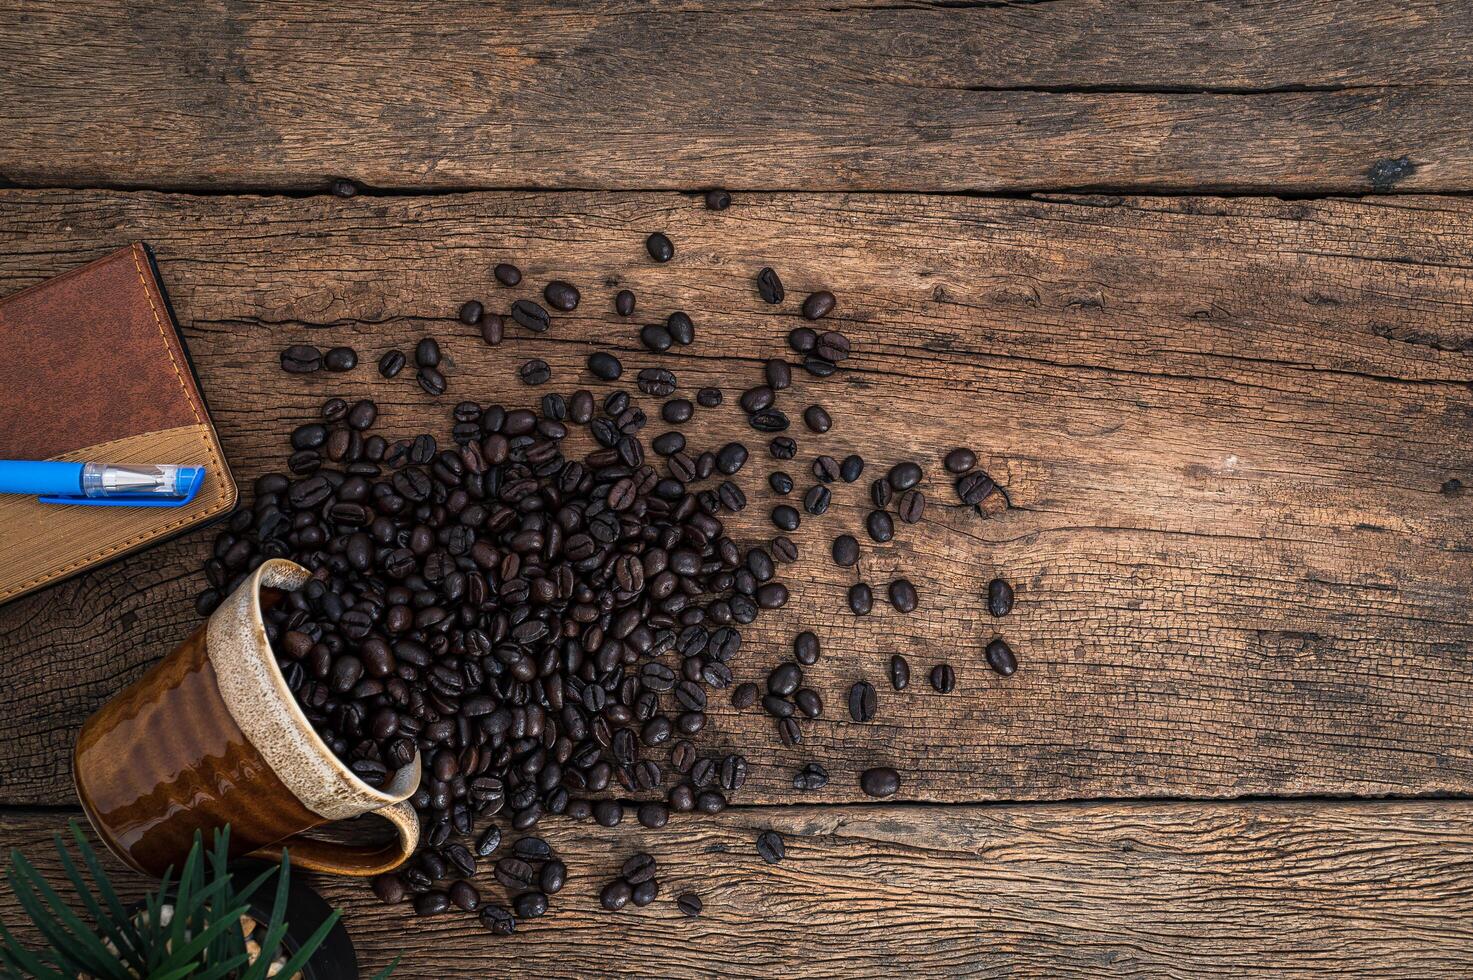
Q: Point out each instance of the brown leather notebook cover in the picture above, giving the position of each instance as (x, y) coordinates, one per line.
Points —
(92, 369)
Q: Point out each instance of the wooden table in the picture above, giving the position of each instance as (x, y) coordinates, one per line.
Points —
(1192, 278)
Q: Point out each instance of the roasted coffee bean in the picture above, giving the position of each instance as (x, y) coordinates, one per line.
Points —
(781, 447)
(770, 847)
(818, 305)
(681, 328)
(862, 701)
(624, 302)
(812, 776)
(668, 443)
(744, 695)
(899, 672)
(780, 482)
(912, 506)
(788, 731)
(880, 782)
(861, 599)
(756, 399)
(488, 842)
(943, 678)
(880, 526)
(514, 872)
(784, 679)
(644, 893)
(974, 487)
(777, 706)
(470, 313)
(530, 905)
(708, 397)
(880, 493)
(362, 416)
(560, 295)
(608, 813)
(677, 411)
(769, 420)
(817, 419)
(661, 249)
(657, 381)
(784, 550)
(391, 363)
(806, 648)
(690, 905)
(552, 877)
(1000, 658)
(851, 468)
(497, 920)
(493, 329)
(903, 595)
(825, 469)
(999, 597)
(431, 903)
(818, 367)
(301, 359)
(816, 500)
(427, 353)
(431, 381)
(340, 359)
(778, 374)
(958, 461)
(716, 200)
(507, 274)
(655, 338)
(785, 518)
(808, 702)
(832, 346)
(531, 316)
(534, 372)
(731, 458)
(465, 896)
(605, 366)
(903, 476)
(802, 339)
(845, 550)
(769, 286)
(389, 888)
(638, 868)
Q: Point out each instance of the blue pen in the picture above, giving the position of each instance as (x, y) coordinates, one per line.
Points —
(102, 484)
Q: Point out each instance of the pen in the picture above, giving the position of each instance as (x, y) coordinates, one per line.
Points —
(102, 484)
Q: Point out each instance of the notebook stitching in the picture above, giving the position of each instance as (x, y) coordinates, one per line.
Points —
(158, 322)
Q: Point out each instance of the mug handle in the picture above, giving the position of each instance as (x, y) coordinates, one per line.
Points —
(354, 860)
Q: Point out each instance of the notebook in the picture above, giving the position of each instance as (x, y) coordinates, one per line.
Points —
(92, 369)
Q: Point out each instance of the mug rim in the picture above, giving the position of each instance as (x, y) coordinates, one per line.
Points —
(280, 753)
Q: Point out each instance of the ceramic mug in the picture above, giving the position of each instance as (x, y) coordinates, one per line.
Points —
(212, 735)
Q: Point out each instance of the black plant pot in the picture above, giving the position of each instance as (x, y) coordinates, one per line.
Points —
(335, 959)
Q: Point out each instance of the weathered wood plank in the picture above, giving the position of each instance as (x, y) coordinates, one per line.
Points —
(1159, 890)
(1305, 96)
(1235, 432)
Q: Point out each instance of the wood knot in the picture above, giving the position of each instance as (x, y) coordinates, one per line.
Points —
(1386, 174)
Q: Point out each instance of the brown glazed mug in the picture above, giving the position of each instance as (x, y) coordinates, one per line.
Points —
(212, 735)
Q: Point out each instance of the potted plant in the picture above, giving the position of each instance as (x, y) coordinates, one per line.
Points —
(215, 922)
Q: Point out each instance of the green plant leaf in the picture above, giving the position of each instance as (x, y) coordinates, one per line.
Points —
(26, 963)
(225, 969)
(103, 922)
(68, 935)
(301, 956)
(189, 953)
(384, 973)
(133, 947)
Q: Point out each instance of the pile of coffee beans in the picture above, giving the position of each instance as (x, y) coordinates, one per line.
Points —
(538, 627)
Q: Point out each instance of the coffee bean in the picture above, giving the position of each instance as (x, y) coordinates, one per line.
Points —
(845, 550)
(677, 411)
(427, 353)
(818, 367)
(770, 847)
(851, 468)
(862, 701)
(301, 359)
(768, 420)
(785, 518)
(389, 888)
(531, 316)
(756, 399)
(744, 695)
(999, 597)
(781, 447)
(958, 461)
(658, 382)
(708, 397)
(497, 920)
(670, 443)
(534, 372)
(943, 678)
(493, 329)
(861, 599)
(903, 595)
(690, 905)
(912, 506)
(624, 302)
(638, 868)
(832, 346)
(552, 877)
(817, 419)
(769, 286)
(681, 328)
(560, 295)
(362, 415)
(816, 500)
(431, 381)
(808, 702)
(653, 815)
(716, 200)
(777, 706)
(903, 476)
(818, 305)
(661, 249)
(391, 363)
(812, 776)
(605, 366)
(530, 905)
(879, 526)
(974, 487)
(802, 339)
(879, 782)
(431, 903)
(788, 731)
(470, 314)
(608, 813)
(806, 648)
(784, 550)
(488, 842)
(340, 359)
(731, 458)
(655, 338)
(825, 469)
(784, 679)
(465, 896)
(644, 893)
(1000, 658)
(778, 374)
(899, 672)
(880, 493)
(507, 274)
(780, 482)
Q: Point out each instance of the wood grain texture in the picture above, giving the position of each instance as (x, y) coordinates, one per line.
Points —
(1305, 96)
(1235, 432)
(1133, 890)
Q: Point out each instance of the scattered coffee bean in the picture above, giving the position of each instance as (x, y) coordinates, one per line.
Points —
(812, 776)
(808, 702)
(899, 672)
(818, 305)
(655, 338)
(817, 419)
(689, 905)
(912, 506)
(560, 295)
(974, 487)
(615, 895)
(389, 888)
(716, 200)
(806, 648)
(832, 346)
(658, 382)
(999, 597)
(769, 286)
(768, 420)
(731, 458)
(301, 359)
(431, 903)
(391, 363)
(958, 461)
(825, 469)
(816, 500)
(903, 596)
(465, 896)
(624, 302)
(880, 782)
(681, 328)
(862, 701)
(756, 399)
(605, 366)
(903, 476)
(846, 550)
(470, 313)
(431, 381)
(861, 599)
(818, 367)
(880, 493)
(802, 339)
(784, 550)
(530, 905)
(943, 678)
(534, 372)
(770, 847)
(677, 411)
(661, 249)
(781, 447)
(507, 274)
(744, 695)
(708, 397)
(497, 920)
(531, 316)
(851, 468)
(781, 483)
(1000, 658)
(778, 373)
(340, 359)
(784, 679)
(644, 893)
(879, 526)
(493, 329)
(427, 353)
